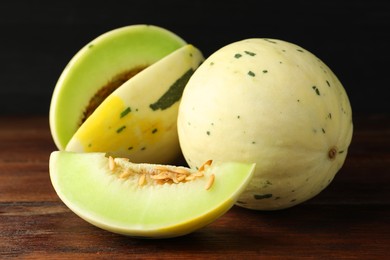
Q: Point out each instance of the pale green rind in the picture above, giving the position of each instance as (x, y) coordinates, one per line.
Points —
(148, 127)
(84, 184)
(96, 64)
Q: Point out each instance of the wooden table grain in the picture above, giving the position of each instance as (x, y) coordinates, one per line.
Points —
(349, 220)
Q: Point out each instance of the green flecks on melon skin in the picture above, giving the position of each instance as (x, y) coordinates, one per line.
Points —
(262, 196)
(154, 131)
(237, 55)
(250, 53)
(265, 71)
(266, 184)
(270, 41)
(120, 129)
(173, 94)
(251, 73)
(316, 90)
(324, 70)
(300, 50)
(125, 112)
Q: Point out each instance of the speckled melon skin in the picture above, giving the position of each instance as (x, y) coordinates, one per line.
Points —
(273, 103)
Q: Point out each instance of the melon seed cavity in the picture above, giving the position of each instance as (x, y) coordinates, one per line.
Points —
(107, 89)
(157, 174)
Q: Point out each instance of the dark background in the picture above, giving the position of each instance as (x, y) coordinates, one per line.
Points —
(38, 38)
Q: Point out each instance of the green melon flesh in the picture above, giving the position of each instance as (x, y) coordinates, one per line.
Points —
(85, 183)
(98, 63)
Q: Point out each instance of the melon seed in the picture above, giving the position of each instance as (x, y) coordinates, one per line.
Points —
(159, 173)
(210, 182)
(207, 163)
(111, 163)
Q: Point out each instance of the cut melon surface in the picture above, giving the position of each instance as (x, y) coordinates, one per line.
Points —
(98, 63)
(139, 119)
(93, 189)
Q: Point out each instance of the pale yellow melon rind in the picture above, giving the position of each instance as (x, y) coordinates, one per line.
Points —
(270, 102)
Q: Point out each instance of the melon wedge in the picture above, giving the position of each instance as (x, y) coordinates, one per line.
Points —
(96, 191)
(138, 120)
(99, 62)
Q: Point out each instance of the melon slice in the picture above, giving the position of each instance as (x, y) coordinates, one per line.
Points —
(101, 66)
(134, 200)
(138, 120)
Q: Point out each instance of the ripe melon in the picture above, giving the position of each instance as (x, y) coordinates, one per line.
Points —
(146, 200)
(138, 120)
(130, 81)
(273, 103)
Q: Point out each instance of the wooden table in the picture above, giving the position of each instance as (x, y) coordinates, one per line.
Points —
(350, 219)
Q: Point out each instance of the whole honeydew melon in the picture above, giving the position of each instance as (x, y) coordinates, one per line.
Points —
(273, 103)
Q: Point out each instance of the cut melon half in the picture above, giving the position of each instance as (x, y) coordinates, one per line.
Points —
(139, 200)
